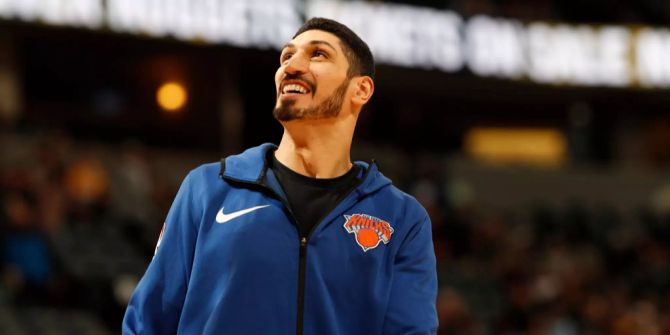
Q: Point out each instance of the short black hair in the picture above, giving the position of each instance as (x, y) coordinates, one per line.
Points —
(356, 50)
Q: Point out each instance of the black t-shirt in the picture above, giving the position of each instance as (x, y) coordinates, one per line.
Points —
(311, 199)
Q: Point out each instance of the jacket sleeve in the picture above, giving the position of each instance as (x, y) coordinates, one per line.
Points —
(155, 306)
(411, 308)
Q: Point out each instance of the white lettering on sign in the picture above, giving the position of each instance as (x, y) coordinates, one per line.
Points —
(397, 34)
(274, 22)
(241, 23)
(78, 13)
(124, 15)
(234, 23)
(614, 53)
(579, 55)
(540, 62)
(440, 43)
(400, 35)
(495, 47)
(652, 53)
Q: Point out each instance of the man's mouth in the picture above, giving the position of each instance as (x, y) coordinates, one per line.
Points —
(294, 87)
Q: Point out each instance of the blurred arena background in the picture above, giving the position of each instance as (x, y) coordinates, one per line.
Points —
(536, 133)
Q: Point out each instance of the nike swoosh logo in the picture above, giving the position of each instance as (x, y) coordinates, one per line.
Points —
(222, 217)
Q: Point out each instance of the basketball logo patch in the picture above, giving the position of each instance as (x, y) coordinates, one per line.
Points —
(369, 230)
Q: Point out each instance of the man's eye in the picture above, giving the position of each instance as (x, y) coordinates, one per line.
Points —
(285, 57)
(319, 53)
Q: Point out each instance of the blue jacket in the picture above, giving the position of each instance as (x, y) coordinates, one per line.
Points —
(367, 268)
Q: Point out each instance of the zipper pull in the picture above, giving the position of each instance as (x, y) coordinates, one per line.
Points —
(303, 241)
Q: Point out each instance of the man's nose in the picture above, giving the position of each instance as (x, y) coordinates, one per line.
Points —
(296, 64)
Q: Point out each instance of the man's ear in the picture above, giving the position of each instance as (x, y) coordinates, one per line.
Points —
(364, 87)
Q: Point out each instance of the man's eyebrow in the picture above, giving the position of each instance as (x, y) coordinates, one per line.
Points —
(314, 42)
(320, 42)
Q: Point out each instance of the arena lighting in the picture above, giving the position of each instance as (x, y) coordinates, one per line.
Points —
(528, 146)
(171, 96)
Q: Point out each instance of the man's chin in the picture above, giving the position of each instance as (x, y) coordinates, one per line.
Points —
(286, 109)
(285, 114)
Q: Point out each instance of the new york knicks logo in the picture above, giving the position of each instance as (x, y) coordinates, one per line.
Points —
(369, 230)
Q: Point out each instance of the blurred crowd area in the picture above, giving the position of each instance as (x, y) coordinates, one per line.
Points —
(80, 220)
(543, 269)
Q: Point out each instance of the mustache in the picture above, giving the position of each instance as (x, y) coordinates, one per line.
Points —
(296, 77)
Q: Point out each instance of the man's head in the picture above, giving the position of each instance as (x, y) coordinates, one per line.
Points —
(361, 61)
(326, 68)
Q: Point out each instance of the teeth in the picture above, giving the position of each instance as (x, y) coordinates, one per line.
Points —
(294, 88)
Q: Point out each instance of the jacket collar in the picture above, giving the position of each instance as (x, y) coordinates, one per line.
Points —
(251, 167)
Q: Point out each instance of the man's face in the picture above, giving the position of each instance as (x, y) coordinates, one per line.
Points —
(312, 80)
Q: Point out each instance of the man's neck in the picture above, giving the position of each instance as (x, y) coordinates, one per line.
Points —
(317, 149)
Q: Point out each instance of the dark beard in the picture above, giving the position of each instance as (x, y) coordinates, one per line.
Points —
(327, 109)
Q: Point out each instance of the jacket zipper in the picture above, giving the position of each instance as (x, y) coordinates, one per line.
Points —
(301, 284)
(303, 252)
(302, 264)
(302, 258)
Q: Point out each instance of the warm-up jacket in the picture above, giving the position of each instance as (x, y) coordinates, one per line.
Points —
(230, 261)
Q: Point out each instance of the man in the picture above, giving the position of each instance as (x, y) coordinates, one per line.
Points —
(295, 239)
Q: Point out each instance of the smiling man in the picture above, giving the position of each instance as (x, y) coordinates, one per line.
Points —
(295, 238)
